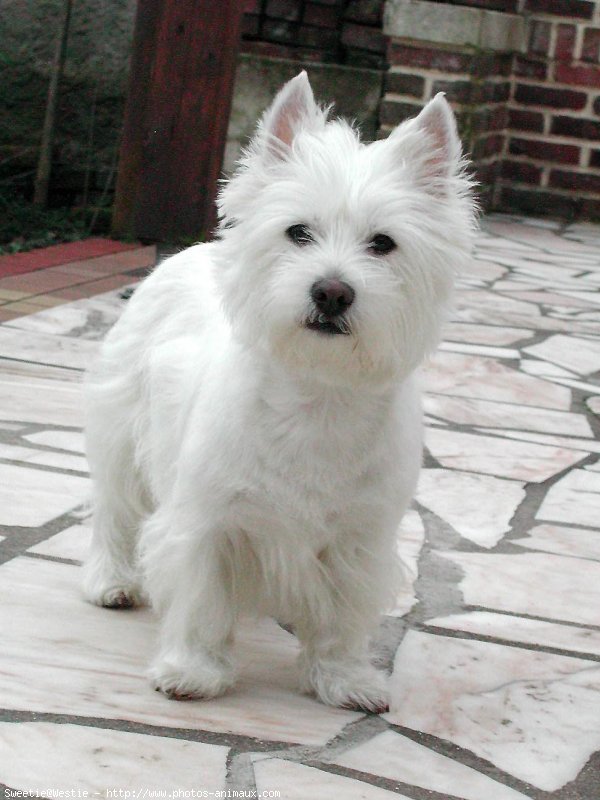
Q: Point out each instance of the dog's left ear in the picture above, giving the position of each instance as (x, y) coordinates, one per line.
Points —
(294, 109)
(434, 139)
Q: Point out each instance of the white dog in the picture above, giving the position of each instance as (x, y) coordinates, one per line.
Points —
(254, 423)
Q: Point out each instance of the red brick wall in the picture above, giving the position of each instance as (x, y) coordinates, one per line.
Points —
(478, 85)
(329, 31)
(552, 160)
(530, 121)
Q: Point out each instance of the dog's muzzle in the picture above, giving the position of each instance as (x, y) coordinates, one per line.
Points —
(331, 298)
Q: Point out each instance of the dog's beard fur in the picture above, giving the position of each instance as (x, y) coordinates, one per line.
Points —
(254, 451)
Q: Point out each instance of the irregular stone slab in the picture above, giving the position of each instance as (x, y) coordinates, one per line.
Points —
(479, 507)
(76, 757)
(534, 715)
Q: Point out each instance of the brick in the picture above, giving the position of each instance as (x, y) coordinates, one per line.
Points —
(590, 208)
(283, 9)
(565, 42)
(317, 37)
(584, 9)
(487, 173)
(392, 113)
(488, 146)
(321, 16)
(405, 83)
(597, 106)
(577, 75)
(429, 58)
(595, 158)
(549, 96)
(488, 92)
(537, 202)
(530, 68)
(525, 120)
(369, 12)
(456, 91)
(484, 64)
(363, 37)
(575, 181)
(575, 126)
(250, 25)
(521, 172)
(590, 50)
(279, 31)
(548, 151)
(539, 38)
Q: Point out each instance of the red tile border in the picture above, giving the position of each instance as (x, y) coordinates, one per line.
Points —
(20, 263)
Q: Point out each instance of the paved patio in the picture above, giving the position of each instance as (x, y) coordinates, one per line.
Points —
(493, 648)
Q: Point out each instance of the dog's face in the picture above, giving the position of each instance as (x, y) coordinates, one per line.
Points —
(338, 257)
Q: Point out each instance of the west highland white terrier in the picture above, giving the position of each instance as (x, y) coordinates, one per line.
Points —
(254, 421)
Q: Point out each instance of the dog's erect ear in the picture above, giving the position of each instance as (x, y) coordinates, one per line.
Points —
(437, 140)
(294, 109)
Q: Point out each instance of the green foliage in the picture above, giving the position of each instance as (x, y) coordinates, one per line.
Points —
(24, 226)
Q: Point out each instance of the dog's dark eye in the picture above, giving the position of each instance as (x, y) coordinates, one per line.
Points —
(299, 234)
(382, 244)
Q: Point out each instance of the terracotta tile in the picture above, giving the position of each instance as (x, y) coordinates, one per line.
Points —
(8, 296)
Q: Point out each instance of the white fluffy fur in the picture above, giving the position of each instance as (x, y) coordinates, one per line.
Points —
(244, 463)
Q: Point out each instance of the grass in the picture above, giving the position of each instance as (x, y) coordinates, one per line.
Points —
(24, 226)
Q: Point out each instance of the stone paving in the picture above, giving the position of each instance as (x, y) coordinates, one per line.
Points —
(493, 647)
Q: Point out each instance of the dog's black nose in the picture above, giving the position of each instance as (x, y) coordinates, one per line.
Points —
(332, 296)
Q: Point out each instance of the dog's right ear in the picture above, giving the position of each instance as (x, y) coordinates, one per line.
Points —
(294, 109)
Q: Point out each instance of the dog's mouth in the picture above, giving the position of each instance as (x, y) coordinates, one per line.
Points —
(323, 323)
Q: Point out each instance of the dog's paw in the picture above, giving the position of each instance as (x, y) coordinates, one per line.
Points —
(110, 587)
(115, 594)
(200, 678)
(360, 687)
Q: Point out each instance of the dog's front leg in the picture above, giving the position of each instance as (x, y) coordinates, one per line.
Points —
(334, 662)
(189, 584)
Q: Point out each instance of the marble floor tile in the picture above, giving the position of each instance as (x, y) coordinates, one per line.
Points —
(576, 542)
(410, 542)
(38, 756)
(589, 388)
(580, 355)
(520, 629)
(488, 413)
(401, 759)
(47, 458)
(538, 584)
(62, 440)
(43, 348)
(593, 403)
(38, 394)
(31, 497)
(567, 442)
(72, 543)
(99, 668)
(299, 782)
(494, 455)
(486, 378)
(482, 269)
(484, 334)
(573, 499)
(88, 318)
(478, 349)
(478, 507)
(533, 714)
(544, 369)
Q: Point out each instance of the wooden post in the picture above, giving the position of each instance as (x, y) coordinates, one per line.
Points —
(180, 89)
